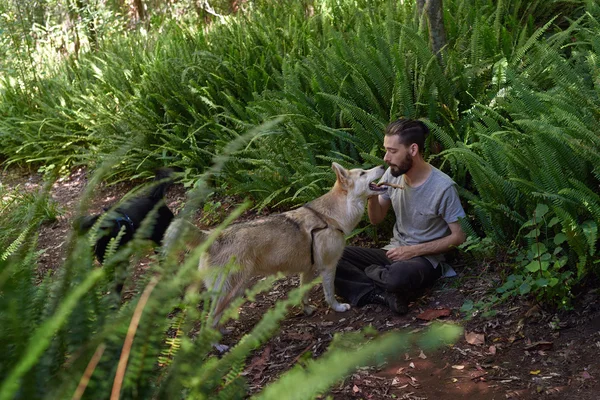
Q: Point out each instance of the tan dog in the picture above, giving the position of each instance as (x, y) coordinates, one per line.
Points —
(308, 241)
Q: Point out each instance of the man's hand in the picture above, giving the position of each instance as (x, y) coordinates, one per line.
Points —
(377, 208)
(438, 246)
(401, 253)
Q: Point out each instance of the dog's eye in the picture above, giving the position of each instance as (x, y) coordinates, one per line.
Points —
(362, 173)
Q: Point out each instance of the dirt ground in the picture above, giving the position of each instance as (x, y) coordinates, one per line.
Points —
(523, 352)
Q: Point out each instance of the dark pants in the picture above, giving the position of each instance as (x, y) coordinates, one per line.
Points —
(361, 270)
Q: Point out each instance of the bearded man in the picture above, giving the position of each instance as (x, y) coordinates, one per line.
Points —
(427, 210)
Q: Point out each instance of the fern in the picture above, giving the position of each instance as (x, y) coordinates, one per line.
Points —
(173, 342)
(42, 336)
(17, 243)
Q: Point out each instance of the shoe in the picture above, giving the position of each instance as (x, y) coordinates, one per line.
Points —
(396, 302)
(375, 296)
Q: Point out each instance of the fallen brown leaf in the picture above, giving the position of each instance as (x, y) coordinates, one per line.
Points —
(475, 338)
(533, 312)
(431, 314)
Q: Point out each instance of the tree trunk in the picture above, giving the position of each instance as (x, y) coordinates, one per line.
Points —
(72, 20)
(139, 8)
(435, 22)
(235, 5)
(205, 11)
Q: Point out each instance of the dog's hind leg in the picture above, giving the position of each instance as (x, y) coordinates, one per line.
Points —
(306, 277)
(234, 285)
(328, 274)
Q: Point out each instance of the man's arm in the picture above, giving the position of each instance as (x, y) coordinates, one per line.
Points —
(456, 238)
(377, 208)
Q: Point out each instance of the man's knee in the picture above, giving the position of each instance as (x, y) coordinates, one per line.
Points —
(399, 283)
(410, 276)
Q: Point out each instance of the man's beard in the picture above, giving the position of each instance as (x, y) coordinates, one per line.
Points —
(404, 167)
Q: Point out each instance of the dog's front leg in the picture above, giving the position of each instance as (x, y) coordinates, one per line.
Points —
(328, 275)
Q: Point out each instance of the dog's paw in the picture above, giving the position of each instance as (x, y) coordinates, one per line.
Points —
(309, 310)
(341, 307)
(221, 348)
(228, 330)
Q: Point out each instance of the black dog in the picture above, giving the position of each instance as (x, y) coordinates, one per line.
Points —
(130, 215)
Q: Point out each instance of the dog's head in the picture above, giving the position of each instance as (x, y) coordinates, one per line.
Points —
(359, 182)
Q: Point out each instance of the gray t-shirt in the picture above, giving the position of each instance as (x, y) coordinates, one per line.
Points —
(424, 212)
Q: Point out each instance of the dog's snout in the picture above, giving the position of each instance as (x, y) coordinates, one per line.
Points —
(382, 167)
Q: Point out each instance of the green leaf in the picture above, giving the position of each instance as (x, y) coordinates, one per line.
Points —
(557, 250)
(561, 262)
(524, 288)
(534, 233)
(553, 222)
(533, 266)
(541, 210)
(467, 306)
(542, 282)
(538, 249)
(560, 238)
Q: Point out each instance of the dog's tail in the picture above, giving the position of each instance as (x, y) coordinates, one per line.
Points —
(165, 176)
(182, 237)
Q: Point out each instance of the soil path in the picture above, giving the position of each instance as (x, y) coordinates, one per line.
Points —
(523, 352)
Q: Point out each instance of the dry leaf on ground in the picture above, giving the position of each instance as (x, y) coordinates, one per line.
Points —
(431, 314)
(475, 338)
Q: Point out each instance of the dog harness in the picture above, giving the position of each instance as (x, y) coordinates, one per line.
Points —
(326, 220)
(124, 220)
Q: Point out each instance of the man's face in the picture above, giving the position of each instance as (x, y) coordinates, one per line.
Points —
(397, 156)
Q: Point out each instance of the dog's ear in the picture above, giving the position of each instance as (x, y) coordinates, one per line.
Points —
(341, 173)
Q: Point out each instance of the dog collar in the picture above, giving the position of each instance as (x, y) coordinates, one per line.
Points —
(124, 220)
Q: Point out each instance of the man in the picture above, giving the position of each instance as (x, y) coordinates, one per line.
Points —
(427, 209)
